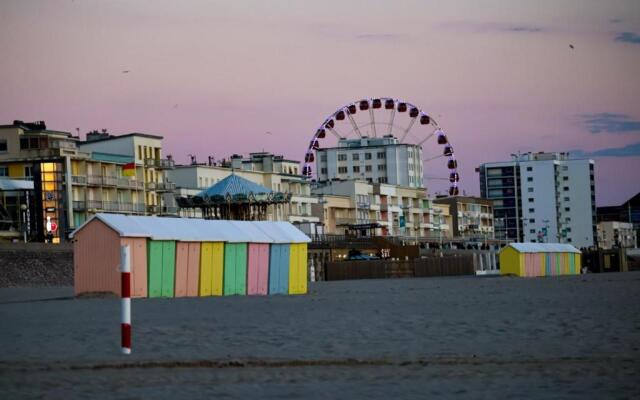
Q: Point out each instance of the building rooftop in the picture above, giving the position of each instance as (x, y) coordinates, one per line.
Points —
(233, 185)
(105, 136)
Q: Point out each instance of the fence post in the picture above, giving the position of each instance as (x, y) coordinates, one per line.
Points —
(125, 276)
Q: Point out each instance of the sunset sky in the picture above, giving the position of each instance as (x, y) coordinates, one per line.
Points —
(213, 76)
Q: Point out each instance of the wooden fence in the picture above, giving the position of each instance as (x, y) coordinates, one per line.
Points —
(446, 265)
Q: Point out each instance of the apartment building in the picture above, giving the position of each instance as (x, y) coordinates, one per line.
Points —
(613, 234)
(372, 159)
(75, 179)
(379, 209)
(270, 171)
(542, 197)
(472, 217)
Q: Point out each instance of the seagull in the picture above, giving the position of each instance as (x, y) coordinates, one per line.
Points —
(571, 46)
(125, 71)
(268, 133)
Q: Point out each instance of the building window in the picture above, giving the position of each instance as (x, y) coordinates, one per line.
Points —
(569, 240)
(530, 179)
(367, 168)
(532, 220)
(532, 231)
(323, 157)
(356, 168)
(140, 152)
(381, 155)
(382, 167)
(382, 179)
(567, 208)
(566, 188)
(28, 171)
(529, 169)
(367, 156)
(530, 190)
(530, 199)
(565, 178)
(24, 144)
(567, 219)
(4, 171)
(323, 170)
(342, 170)
(342, 157)
(532, 210)
(355, 156)
(566, 199)
(3, 146)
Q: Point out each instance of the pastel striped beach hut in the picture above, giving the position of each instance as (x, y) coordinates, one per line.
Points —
(177, 257)
(539, 259)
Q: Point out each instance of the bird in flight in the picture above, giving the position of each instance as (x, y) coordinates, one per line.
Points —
(571, 46)
(126, 71)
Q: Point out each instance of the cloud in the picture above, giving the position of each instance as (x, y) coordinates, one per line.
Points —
(610, 123)
(630, 150)
(524, 29)
(493, 27)
(628, 37)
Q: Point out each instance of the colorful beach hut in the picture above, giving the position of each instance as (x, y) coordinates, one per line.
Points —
(539, 259)
(175, 257)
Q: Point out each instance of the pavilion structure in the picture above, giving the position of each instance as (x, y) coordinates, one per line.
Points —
(236, 198)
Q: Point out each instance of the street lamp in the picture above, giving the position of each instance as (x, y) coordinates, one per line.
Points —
(23, 224)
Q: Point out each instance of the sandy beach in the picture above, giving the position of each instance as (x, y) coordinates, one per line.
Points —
(456, 337)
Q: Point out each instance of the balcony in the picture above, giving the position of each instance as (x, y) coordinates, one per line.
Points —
(109, 181)
(151, 186)
(159, 163)
(94, 204)
(345, 221)
(79, 180)
(94, 180)
(167, 210)
(79, 205)
(165, 186)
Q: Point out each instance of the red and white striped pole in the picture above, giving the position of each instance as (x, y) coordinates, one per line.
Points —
(125, 274)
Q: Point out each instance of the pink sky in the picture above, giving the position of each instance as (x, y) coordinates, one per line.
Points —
(213, 77)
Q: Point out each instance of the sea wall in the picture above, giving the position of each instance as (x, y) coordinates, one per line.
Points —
(36, 264)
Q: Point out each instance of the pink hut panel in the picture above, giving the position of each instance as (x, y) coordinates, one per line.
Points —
(96, 258)
(187, 269)
(138, 251)
(258, 269)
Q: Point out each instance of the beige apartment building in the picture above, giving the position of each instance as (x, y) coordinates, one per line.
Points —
(472, 217)
(74, 179)
(379, 209)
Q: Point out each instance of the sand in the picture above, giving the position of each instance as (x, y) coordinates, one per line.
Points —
(455, 337)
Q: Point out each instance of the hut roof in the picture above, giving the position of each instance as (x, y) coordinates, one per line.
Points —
(233, 185)
(544, 248)
(200, 230)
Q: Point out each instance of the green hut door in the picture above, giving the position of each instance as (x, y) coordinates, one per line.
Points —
(235, 268)
(161, 267)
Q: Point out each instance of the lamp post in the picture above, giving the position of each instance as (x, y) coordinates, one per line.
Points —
(23, 224)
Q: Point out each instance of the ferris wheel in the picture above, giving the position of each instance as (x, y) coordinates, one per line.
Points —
(392, 118)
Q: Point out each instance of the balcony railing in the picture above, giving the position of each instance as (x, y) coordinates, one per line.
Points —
(95, 180)
(165, 186)
(97, 204)
(79, 205)
(160, 163)
(109, 181)
(79, 180)
(167, 210)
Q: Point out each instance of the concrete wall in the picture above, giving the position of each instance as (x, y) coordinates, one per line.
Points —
(36, 264)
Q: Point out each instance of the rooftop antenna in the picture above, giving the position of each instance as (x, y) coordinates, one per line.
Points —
(193, 159)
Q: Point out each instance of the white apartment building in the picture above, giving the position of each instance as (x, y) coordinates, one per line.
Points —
(542, 197)
(375, 160)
